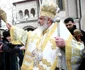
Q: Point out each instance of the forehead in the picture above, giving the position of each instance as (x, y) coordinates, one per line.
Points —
(69, 23)
(41, 17)
(44, 17)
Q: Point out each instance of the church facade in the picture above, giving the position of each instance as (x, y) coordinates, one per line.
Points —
(27, 12)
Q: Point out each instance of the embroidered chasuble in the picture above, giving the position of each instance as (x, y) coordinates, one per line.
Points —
(42, 52)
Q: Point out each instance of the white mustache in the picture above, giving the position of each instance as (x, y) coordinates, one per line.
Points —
(44, 26)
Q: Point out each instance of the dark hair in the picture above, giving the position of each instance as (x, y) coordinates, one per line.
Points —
(6, 33)
(68, 19)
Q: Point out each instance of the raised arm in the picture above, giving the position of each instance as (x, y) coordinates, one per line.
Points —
(18, 35)
(8, 26)
(9, 48)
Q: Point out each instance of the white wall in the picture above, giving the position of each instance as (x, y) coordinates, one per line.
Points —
(23, 6)
(26, 5)
(71, 8)
(83, 14)
(22, 25)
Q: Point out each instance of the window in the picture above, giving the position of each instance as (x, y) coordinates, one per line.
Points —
(33, 12)
(26, 13)
(61, 4)
(21, 14)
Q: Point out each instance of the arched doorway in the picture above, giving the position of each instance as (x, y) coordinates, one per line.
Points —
(29, 28)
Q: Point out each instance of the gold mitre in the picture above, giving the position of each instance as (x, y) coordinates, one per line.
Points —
(48, 9)
(3, 15)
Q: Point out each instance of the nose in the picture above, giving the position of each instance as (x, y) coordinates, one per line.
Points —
(68, 26)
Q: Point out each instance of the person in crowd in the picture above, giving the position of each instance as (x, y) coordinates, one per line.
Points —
(77, 33)
(9, 57)
(1, 55)
(21, 54)
(70, 24)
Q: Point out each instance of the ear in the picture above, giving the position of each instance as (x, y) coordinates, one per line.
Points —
(50, 20)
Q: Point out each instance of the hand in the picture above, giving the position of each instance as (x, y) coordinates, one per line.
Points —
(8, 26)
(22, 48)
(60, 42)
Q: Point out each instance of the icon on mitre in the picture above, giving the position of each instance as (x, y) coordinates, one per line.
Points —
(3, 15)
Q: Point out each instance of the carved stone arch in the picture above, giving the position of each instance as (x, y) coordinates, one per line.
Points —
(29, 28)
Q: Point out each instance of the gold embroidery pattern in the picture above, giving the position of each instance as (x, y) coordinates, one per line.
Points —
(40, 67)
(37, 53)
(53, 46)
(44, 61)
(76, 56)
(35, 57)
(34, 37)
(20, 37)
(38, 56)
(29, 57)
(76, 52)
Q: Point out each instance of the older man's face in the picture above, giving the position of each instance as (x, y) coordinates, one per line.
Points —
(42, 20)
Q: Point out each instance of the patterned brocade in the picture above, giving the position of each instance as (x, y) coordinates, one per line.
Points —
(41, 51)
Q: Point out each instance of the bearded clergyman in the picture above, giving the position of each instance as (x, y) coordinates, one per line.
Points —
(50, 46)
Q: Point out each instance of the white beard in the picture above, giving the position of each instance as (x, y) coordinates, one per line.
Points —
(43, 27)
